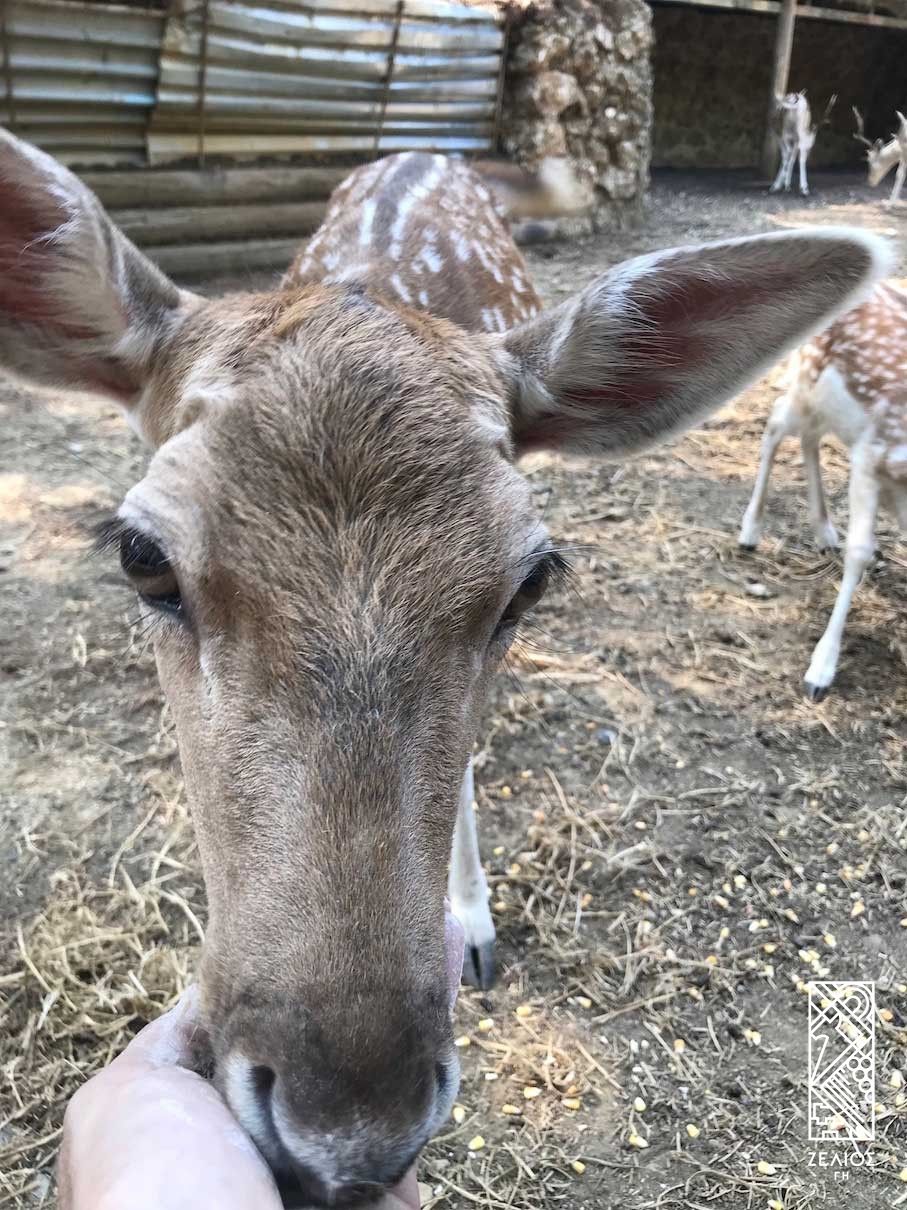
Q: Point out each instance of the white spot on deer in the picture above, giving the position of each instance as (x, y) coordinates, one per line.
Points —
(431, 257)
(462, 247)
(488, 319)
(419, 192)
(397, 283)
(423, 297)
(487, 263)
(368, 219)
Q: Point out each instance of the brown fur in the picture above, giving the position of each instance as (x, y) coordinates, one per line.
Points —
(471, 272)
(866, 345)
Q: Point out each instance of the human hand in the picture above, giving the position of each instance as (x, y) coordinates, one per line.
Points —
(148, 1133)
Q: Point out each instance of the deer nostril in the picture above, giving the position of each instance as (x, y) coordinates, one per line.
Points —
(447, 1079)
(442, 1078)
(262, 1079)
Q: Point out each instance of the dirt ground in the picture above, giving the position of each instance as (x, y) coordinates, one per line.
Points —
(677, 841)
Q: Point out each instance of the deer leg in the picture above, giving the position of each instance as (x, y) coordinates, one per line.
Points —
(787, 164)
(784, 421)
(804, 186)
(789, 174)
(779, 179)
(467, 889)
(826, 534)
(898, 183)
(864, 502)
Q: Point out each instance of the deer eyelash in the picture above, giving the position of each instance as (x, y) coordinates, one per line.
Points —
(108, 534)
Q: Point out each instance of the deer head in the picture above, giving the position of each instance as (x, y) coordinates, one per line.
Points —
(879, 162)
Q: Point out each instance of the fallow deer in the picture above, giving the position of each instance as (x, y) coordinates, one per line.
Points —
(882, 157)
(796, 137)
(336, 547)
(850, 380)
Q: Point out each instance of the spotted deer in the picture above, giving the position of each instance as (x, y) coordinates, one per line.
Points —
(335, 548)
(850, 380)
(882, 157)
(796, 137)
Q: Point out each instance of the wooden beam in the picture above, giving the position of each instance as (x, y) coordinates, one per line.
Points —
(189, 224)
(816, 12)
(784, 43)
(213, 187)
(236, 257)
(852, 18)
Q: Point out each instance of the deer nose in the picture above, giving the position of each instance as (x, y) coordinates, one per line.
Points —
(309, 1188)
(340, 1162)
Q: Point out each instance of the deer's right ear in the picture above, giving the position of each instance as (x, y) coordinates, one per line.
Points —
(659, 342)
(79, 304)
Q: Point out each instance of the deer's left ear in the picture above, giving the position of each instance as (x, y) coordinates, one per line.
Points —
(80, 306)
(657, 343)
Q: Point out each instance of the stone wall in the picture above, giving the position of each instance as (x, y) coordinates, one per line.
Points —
(713, 74)
(579, 84)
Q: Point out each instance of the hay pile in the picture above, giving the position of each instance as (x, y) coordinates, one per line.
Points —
(105, 956)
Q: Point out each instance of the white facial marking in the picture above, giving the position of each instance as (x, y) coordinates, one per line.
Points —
(246, 1105)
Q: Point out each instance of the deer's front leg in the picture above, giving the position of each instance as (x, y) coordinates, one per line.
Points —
(467, 889)
(826, 534)
(864, 500)
(898, 183)
(804, 186)
(779, 179)
(783, 421)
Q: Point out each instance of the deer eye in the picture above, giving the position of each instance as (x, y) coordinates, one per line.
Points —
(550, 567)
(146, 565)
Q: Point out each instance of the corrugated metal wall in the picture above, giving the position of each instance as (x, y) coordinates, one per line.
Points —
(326, 76)
(80, 80)
(103, 84)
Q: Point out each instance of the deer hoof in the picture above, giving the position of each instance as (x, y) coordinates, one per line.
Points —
(478, 965)
(815, 693)
(750, 533)
(804, 193)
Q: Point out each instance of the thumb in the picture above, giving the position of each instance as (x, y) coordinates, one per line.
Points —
(171, 1040)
